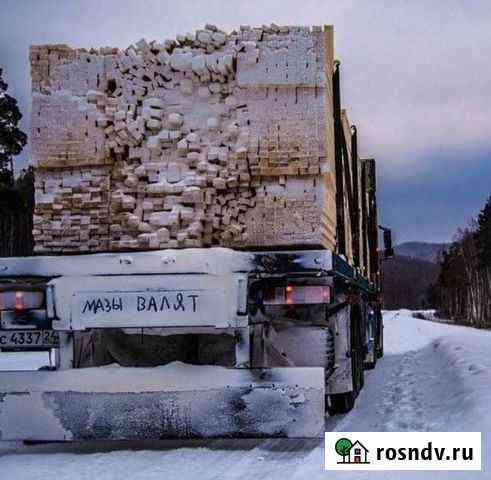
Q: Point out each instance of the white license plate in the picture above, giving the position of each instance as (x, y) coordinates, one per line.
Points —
(28, 338)
(147, 308)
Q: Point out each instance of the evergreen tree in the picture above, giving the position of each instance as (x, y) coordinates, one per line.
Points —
(483, 235)
(463, 290)
(24, 186)
(12, 139)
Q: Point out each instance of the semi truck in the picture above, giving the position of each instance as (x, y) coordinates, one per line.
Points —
(199, 342)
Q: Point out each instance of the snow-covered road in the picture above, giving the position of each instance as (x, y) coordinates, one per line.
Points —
(434, 377)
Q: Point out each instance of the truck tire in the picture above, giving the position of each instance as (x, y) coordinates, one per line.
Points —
(341, 403)
(371, 365)
(358, 348)
(380, 347)
(344, 402)
(47, 368)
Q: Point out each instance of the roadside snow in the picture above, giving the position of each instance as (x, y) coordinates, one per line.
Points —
(23, 360)
(404, 333)
(434, 377)
(464, 354)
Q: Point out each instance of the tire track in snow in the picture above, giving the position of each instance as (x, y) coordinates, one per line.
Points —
(407, 392)
(402, 407)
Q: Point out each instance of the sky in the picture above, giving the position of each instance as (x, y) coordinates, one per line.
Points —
(415, 79)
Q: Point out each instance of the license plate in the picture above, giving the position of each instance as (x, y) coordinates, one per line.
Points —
(28, 338)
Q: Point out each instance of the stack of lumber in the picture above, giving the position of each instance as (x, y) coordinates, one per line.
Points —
(209, 139)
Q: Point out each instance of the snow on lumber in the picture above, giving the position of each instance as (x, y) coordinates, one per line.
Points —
(212, 138)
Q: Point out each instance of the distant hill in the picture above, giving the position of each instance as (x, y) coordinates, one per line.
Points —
(421, 250)
(406, 281)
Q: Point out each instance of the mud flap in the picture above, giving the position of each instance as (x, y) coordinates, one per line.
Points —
(175, 401)
(341, 380)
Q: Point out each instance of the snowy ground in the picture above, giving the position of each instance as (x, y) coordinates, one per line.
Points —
(434, 377)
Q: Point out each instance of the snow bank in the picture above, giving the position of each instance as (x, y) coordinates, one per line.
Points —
(23, 360)
(470, 355)
(465, 351)
(404, 333)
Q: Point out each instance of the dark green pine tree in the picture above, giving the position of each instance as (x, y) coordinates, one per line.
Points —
(12, 138)
(483, 234)
(24, 186)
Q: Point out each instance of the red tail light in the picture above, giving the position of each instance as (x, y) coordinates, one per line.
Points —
(21, 300)
(297, 295)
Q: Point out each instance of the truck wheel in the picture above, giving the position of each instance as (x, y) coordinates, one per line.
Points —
(344, 402)
(380, 344)
(341, 403)
(371, 365)
(48, 368)
(358, 350)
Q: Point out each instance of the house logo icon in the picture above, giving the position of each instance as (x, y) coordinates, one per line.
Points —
(351, 452)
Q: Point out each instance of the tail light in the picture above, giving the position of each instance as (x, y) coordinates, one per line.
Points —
(20, 300)
(297, 295)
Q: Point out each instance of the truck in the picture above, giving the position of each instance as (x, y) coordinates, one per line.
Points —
(199, 342)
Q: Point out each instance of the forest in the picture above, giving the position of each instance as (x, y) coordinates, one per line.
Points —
(16, 192)
(462, 291)
(407, 281)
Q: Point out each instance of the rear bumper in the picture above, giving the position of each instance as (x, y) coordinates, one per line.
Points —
(175, 401)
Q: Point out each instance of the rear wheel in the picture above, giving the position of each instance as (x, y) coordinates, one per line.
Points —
(341, 403)
(344, 402)
(380, 346)
(47, 368)
(371, 365)
(358, 348)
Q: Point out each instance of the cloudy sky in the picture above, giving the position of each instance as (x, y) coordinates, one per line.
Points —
(416, 80)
